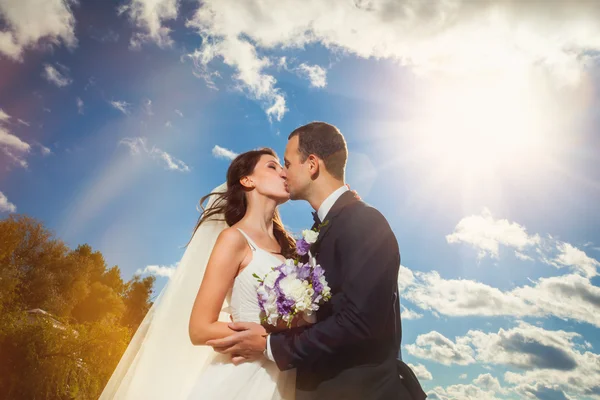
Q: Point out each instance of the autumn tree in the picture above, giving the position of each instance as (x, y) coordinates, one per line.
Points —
(65, 318)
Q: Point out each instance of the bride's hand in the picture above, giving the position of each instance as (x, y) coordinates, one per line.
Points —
(354, 192)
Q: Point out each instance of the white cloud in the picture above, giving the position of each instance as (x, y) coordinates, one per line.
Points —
(179, 113)
(158, 270)
(462, 297)
(486, 234)
(122, 106)
(12, 146)
(11, 141)
(409, 314)
(171, 162)
(168, 124)
(56, 77)
(462, 376)
(4, 116)
(435, 346)
(138, 145)
(539, 391)
(20, 121)
(405, 279)
(221, 152)
(147, 107)
(460, 392)
(551, 362)
(43, 149)
(421, 372)
(459, 38)
(555, 364)
(5, 205)
(526, 347)
(79, 105)
(241, 55)
(149, 17)
(316, 74)
(28, 21)
(522, 256)
(571, 256)
(571, 297)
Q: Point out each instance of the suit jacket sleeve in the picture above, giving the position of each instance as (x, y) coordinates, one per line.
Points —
(369, 256)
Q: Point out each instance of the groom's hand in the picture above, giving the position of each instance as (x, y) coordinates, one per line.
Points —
(247, 344)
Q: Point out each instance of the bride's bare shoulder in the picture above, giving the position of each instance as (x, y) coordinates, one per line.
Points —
(232, 238)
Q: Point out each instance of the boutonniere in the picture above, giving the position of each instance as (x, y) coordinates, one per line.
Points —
(309, 237)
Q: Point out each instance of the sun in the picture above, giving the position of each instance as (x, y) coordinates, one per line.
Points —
(477, 127)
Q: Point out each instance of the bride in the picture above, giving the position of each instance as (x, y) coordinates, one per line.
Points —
(239, 234)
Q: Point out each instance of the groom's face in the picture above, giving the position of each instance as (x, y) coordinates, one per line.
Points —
(298, 175)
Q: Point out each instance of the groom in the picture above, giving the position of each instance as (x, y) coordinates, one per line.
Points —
(351, 352)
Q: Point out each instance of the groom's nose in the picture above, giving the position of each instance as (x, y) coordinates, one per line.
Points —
(283, 174)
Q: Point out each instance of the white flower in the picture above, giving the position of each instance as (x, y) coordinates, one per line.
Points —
(297, 290)
(310, 236)
(290, 262)
(326, 290)
(262, 292)
(270, 279)
(293, 288)
(289, 269)
(271, 309)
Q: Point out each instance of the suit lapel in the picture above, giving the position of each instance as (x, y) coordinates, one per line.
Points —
(344, 200)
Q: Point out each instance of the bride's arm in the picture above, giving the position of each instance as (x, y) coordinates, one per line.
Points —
(223, 265)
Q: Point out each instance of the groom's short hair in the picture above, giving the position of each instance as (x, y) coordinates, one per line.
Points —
(326, 142)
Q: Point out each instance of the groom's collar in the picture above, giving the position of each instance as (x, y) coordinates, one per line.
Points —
(330, 201)
(343, 200)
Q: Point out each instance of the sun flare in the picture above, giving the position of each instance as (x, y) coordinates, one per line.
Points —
(481, 127)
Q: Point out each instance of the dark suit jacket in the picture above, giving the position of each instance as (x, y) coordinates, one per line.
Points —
(351, 352)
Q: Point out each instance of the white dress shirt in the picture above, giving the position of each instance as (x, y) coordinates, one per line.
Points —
(322, 213)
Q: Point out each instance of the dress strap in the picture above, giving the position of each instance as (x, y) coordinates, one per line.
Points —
(251, 243)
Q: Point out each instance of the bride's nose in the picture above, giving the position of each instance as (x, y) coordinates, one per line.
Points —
(282, 173)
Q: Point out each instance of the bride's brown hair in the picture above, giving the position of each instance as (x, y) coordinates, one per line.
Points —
(233, 204)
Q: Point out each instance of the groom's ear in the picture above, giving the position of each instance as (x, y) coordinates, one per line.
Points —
(313, 165)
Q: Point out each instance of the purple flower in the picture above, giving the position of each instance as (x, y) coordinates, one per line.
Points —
(304, 271)
(317, 287)
(285, 270)
(284, 305)
(302, 247)
(262, 300)
(318, 270)
(316, 273)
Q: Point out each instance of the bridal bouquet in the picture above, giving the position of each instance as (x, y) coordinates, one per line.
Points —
(293, 289)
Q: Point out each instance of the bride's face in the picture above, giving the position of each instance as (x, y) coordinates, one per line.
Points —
(269, 178)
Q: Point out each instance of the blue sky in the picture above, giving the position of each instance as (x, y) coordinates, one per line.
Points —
(471, 125)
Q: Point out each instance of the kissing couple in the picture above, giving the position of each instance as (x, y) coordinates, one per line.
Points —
(213, 333)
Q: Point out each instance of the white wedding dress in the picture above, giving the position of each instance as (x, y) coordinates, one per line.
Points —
(258, 380)
(161, 363)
